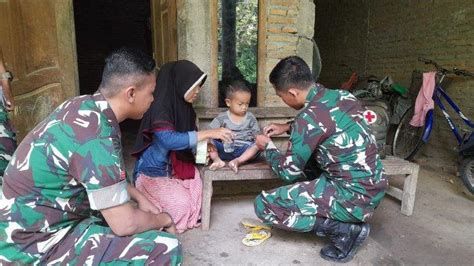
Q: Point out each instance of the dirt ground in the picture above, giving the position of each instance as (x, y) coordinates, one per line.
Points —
(438, 233)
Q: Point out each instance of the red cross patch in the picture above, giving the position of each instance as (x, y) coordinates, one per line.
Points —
(123, 175)
(370, 116)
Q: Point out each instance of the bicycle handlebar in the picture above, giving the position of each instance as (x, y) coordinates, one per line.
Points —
(424, 60)
(431, 62)
(462, 72)
(459, 72)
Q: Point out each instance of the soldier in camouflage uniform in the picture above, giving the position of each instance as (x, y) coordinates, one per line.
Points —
(66, 199)
(335, 174)
(7, 133)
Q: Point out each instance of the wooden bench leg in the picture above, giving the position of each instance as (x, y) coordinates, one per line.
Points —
(206, 204)
(409, 190)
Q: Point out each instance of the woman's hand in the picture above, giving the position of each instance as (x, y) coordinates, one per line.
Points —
(275, 129)
(223, 134)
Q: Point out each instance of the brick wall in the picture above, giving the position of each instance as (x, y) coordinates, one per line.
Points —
(341, 34)
(289, 30)
(384, 37)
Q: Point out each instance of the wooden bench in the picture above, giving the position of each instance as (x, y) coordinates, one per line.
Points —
(260, 171)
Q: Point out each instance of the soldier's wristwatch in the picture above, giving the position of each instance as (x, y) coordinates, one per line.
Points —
(6, 76)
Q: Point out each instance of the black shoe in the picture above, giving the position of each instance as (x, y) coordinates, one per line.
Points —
(321, 227)
(346, 238)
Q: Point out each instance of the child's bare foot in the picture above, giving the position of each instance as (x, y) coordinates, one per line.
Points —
(216, 165)
(234, 165)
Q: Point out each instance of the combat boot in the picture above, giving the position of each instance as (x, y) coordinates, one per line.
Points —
(321, 226)
(346, 238)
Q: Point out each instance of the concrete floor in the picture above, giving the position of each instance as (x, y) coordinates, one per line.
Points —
(438, 233)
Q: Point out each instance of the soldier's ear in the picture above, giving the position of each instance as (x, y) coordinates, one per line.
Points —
(131, 92)
(293, 92)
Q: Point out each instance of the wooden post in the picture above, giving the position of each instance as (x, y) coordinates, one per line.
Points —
(206, 201)
(409, 190)
(228, 41)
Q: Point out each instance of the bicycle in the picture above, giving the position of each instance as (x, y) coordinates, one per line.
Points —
(357, 83)
(409, 139)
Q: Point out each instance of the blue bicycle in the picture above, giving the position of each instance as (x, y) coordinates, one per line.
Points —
(408, 139)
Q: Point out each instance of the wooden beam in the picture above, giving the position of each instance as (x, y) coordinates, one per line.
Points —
(262, 52)
(213, 76)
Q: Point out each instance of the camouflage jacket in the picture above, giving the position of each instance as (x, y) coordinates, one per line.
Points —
(330, 137)
(66, 168)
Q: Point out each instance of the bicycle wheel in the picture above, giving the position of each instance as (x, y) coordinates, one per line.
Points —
(407, 140)
(466, 170)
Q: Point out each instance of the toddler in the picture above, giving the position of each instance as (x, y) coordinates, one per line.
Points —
(243, 124)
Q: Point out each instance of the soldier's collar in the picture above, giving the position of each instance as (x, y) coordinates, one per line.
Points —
(105, 108)
(312, 92)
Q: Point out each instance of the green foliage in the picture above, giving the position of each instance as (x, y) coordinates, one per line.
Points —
(246, 38)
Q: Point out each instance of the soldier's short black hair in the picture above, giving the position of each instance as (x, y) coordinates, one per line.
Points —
(291, 71)
(235, 86)
(125, 65)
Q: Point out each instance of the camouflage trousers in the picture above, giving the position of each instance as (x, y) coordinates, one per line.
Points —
(7, 140)
(93, 244)
(296, 207)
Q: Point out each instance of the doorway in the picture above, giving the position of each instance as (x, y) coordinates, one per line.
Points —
(101, 27)
(238, 45)
(104, 25)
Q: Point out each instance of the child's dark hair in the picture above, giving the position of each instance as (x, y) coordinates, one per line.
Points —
(235, 86)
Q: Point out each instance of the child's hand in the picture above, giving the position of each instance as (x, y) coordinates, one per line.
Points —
(261, 141)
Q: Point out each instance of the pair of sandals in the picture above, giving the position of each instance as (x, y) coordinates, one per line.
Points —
(257, 232)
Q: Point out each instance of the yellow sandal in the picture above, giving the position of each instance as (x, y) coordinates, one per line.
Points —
(256, 237)
(254, 224)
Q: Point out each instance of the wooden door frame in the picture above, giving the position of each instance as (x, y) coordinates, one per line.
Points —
(261, 48)
(40, 84)
(158, 34)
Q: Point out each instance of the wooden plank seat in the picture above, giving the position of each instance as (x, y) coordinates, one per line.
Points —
(260, 170)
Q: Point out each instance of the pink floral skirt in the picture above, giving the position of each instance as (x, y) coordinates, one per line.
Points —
(180, 198)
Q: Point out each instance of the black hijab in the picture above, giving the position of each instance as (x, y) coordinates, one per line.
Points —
(169, 110)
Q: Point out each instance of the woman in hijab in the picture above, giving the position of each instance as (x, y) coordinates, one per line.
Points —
(165, 172)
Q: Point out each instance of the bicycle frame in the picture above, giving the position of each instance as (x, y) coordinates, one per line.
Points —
(438, 93)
